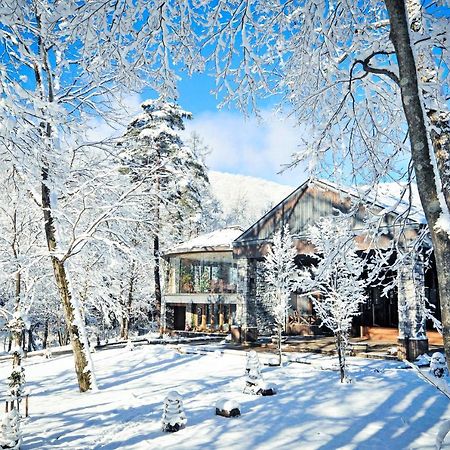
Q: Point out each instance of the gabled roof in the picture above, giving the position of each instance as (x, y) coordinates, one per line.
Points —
(218, 240)
(317, 198)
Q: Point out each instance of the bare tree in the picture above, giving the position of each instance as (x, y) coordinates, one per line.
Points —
(279, 274)
(335, 285)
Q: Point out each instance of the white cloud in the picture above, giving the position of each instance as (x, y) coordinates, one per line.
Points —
(250, 146)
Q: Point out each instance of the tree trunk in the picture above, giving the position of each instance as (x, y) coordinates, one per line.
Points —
(341, 355)
(280, 356)
(45, 338)
(74, 322)
(30, 340)
(421, 156)
(75, 325)
(80, 347)
(157, 278)
(125, 326)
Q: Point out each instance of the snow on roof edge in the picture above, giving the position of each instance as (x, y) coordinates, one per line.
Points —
(217, 240)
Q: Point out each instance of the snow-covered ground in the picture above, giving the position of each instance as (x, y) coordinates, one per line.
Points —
(385, 408)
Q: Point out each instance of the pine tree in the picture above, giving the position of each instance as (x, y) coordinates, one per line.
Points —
(173, 174)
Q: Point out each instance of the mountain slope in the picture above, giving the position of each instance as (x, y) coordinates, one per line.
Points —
(245, 199)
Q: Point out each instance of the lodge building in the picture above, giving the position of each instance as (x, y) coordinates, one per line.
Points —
(214, 282)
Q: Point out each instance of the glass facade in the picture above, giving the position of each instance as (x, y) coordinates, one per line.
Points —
(216, 275)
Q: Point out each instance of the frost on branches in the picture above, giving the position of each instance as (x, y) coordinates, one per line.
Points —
(365, 79)
(334, 285)
(65, 67)
(279, 272)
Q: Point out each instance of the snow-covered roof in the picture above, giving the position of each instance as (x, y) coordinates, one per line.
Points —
(396, 198)
(218, 240)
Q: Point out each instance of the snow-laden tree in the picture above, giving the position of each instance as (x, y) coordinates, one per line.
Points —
(367, 81)
(279, 276)
(172, 174)
(119, 291)
(335, 284)
(63, 65)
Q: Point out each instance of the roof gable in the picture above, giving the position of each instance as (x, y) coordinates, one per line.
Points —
(318, 198)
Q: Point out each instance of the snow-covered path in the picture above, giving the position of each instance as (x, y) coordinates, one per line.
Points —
(386, 407)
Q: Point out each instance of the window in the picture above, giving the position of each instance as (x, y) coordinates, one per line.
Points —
(208, 276)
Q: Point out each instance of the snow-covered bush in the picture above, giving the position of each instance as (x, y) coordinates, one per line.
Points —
(10, 436)
(173, 418)
(335, 285)
(438, 365)
(254, 382)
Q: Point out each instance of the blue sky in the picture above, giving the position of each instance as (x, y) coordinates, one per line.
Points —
(247, 146)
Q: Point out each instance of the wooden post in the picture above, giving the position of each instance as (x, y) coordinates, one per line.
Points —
(203, 325)
(212, 319)
(221, 317)
(26, 405)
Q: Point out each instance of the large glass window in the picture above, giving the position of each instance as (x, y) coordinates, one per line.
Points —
(215, 275)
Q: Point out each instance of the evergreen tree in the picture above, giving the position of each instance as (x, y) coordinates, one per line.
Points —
(174, 176)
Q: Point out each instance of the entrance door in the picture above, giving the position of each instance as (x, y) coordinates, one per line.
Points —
(179, 317)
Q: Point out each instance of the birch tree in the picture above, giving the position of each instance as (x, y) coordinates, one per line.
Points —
(335, 285)
(279, 274)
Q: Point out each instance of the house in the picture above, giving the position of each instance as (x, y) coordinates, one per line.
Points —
(203, 290)
(397, 220)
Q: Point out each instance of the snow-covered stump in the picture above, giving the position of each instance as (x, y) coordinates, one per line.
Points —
(254, 382)
(174, 418)
(10, 436)
(412, 338)
(228, 408)
(130, 346)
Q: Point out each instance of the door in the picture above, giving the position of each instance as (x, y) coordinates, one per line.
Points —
(179, 317)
